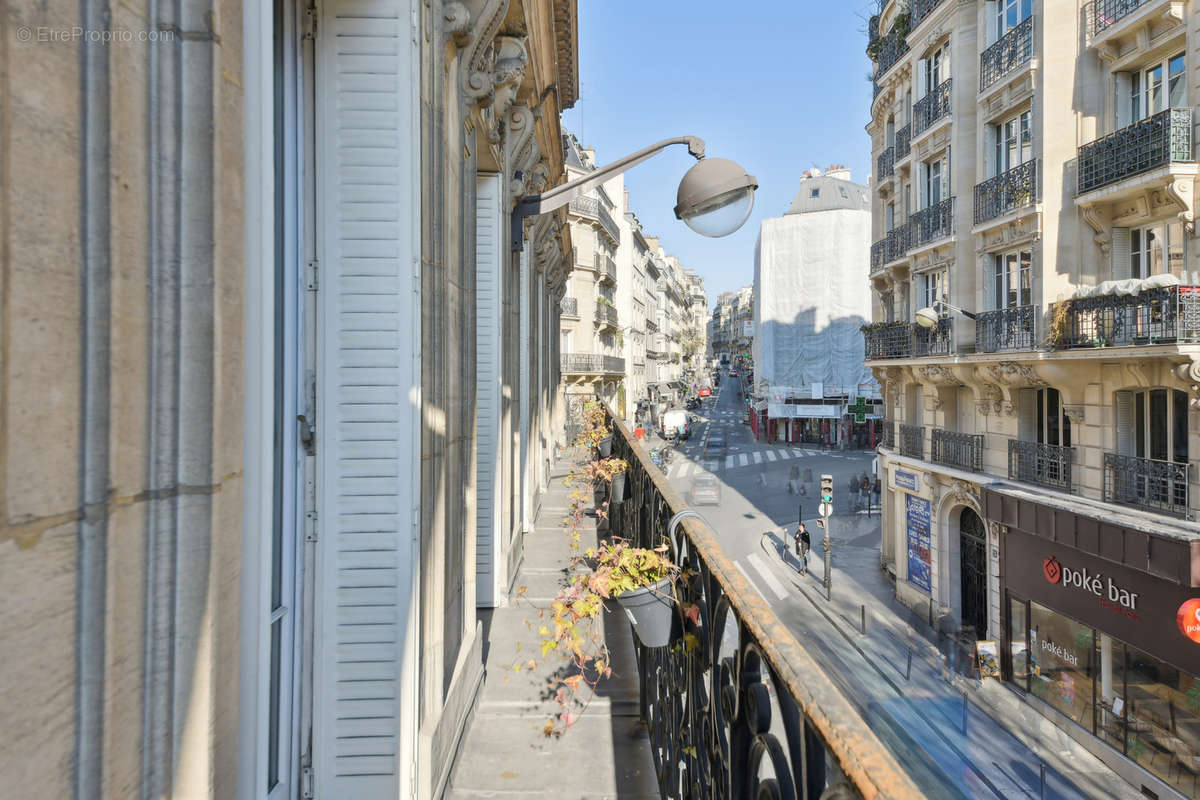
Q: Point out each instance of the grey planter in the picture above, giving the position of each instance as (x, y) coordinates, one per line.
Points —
(651, 610)
(618, 489)
(605, 447)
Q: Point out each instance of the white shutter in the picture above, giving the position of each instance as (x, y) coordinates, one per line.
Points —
(946, 175)
(1027, 422)
(368, 330)
(488, 269)
(1120, 254)
(992, 22)
(990, 301)
(1121, 101)
(922, 89)
(526, 494)
(1125, 423)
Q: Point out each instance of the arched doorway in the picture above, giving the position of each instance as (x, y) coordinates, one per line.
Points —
(973, 572)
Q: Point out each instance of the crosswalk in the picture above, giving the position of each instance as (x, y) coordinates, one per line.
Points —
(758, 562)
(681, 468)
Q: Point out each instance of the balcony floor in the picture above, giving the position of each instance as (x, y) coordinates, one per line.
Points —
(503, 752)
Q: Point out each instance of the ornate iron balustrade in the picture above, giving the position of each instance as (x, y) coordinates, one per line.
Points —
(607, 268)
(1034, 462)
(569, 306)
(1004, 329)
(933, 223)
(736, 706)
(912, 441)
(898, 241)
(1009, 52)
(878, 251)
(903, 142)
(606, 314)
(888, 340)
(1147, 483)
(591, 207)
(1008, 191)
(888, 434)
(1106, 13)
(920, 10)
(935, 341)
(932, 107)
(591, 364)
(963, 450)
(885, 164)
(1153, 142)
(1155, 316)
(892, 48)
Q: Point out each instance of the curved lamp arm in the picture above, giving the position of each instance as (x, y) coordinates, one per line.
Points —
(965, 313)
(559, 196)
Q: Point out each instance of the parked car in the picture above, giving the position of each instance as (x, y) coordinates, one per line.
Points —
(733, 373)
(676, 424)
(705, 391)
(714, 446)
(706, 489)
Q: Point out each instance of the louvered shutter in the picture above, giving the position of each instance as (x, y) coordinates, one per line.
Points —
(992, 21)
(1120, 254)
(368, 411)
(488, 270)
(922, 89)
(1123, 87)
(1125, 423)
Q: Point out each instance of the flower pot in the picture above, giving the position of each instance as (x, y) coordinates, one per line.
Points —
(618, 488)
(651, 610)
(605, 447)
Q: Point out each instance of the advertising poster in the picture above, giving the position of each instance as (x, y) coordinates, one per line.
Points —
(917, 514)
(988, 653)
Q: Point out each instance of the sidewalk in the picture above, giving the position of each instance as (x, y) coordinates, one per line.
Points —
(968, 727)
(503, 753)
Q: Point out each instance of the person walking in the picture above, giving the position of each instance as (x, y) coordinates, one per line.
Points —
(947, 631)
(803, 545)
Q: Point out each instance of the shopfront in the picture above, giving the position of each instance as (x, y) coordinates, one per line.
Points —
(1112, 643)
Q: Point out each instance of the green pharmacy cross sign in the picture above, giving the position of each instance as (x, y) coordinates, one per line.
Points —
(860, 409)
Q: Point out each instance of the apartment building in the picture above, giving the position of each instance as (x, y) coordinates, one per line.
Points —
(1033, 209)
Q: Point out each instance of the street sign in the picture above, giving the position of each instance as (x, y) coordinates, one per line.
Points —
(860, 409)
(825, 510)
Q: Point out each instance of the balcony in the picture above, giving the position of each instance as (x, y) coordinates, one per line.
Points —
(912, 441)
(606, 314)
(906, 340)
(878, 249)
(903, 142)
(1045, 464)
(1166, 315)
(569, 307)
(885, 164)
(920, 10)
(962, 450)
(1005, 329)
(888, 434)
(933, 223)
(931, 108)
(1106, 13)
(1008, 191)
(1156, 141)
(1009, 52)
(592, 208)
(606, 268)
(1147, 483)
(897, 242)
(888, 52)
(591, 364)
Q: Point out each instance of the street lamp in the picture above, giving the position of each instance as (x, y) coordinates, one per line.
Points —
(715, 196)
(928, 317)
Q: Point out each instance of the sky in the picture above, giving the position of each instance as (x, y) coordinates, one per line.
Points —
(779, 86)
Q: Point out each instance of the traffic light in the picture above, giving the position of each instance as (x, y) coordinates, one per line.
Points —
(826, 507)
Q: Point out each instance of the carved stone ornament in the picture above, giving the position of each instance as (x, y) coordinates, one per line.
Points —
(511, 57)
(965, 492)
(1074, 413)
(1010, 373)
(478, 58)
(1180, 191)
(1092, 217)
(1189, 373)
(521, 151)
(457, 22)
(984, 407)
(935, 373)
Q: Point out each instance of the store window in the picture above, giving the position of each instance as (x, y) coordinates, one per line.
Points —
(1060, 652)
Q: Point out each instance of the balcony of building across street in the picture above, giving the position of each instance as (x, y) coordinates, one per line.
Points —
(1151, 484)
(912, 440)
(887, 432)
(591, 364)
(1152, 145)
(592, 208)
(932, 223)
(886, 340)
(903, 143)
(1008, 53)
(1108, 13)
(1043, 464)
(1005, 329)
(606, 268)
(569, 307)
(921, 9)
(1154, 311)
(885, 164)
(931, 108)
(963, 450)
(1007, 192)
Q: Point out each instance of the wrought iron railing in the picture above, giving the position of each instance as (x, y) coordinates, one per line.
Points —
(892, 48)
(591, 207)
(736, 706)
(1046, 464)
(1155, 316)
(591, 364)
(898, 241)
(1106, 13)
(920, 10)
(1008, 191)
(912, 441)
(1147, 483)
(569, 306)
(606, 313)
(933, 223)
(935, 341)
(932, 107)
(878, 251)
(888, 340)
(888, 434)
(885, 164)
(903, 142)
(963, 450)
(1009, 52)
(1153, 142)
(607, 269)
(1004, 329)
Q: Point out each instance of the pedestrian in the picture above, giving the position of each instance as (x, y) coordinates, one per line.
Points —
(947, 631)
(803, 545)
(864, 490)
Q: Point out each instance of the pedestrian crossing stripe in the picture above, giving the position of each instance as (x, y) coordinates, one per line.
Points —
(798, 453)
(757, 457)
(784, 454)
(771, 455)
(743, 460)
(729, 462)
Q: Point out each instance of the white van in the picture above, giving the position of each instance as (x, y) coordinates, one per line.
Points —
(675, 423)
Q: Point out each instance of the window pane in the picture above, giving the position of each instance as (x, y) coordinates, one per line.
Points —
(1026, 9)
(1158, 424)
(1061, 651)
(1135, 253)
(1026, 297)
(1010, 141)
(1112, 705)
(1018, 642)
(1052, 416)
(273, 731)
(1026, 138)
(1179, 434)
(1175, 241)
(1135, 96)
(998, 277)
(1177, 87)
(1139, 424)
(1162, 719)
(1154, 91)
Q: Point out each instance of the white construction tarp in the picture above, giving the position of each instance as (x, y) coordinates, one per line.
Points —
(803, 411)
(812, 295)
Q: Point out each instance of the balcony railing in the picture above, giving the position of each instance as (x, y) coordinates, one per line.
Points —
(1046, 464)
(1106, 13)
(906, 340)
(932, 107)
(878, 250)
(920, 10)
(1009, 52)
(569, 306)
(892, 48)
(885, 164)
(606, 314)
(888, 434)
(1147, 483)
(933, 223)
(897, 242)
(736, 706)
(912, 441)
(1008, 191)
(1154, 142)
(591, 364)
(963, 450)
(591, 207)
(1005, 329)
(1155, 316)
(903, 142)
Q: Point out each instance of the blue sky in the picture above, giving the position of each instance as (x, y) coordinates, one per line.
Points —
(779, 87)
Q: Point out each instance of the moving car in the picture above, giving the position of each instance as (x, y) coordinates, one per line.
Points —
(705, 489)
(733, 373)
(705, 391)
(714, 446)
(675, 423)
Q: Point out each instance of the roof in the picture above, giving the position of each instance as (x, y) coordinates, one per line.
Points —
(828, 192)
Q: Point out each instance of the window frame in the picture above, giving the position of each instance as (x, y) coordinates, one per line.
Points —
(1001, 277)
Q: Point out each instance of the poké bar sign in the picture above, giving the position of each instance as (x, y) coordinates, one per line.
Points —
(1153, 614)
